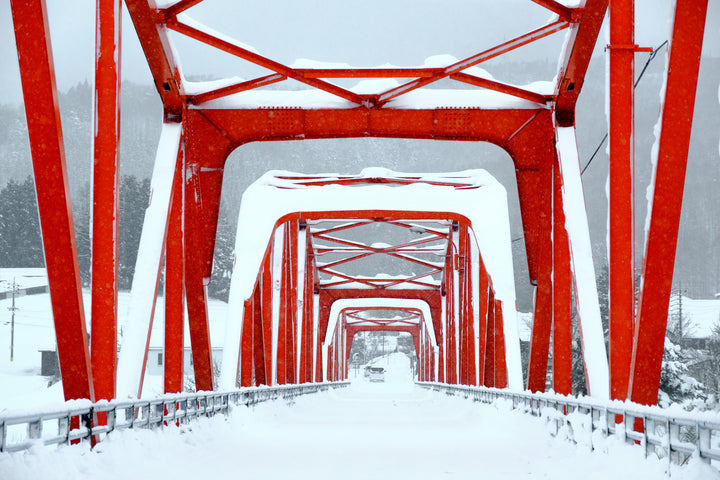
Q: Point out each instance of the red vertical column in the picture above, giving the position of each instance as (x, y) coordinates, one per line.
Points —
(292, 300)
(562, 287)
(483, 320)
(470, 310)
(451, 353)
(196, 292)
(683, 66)
(621, 197)
(258, 349)
(105, 198)
(247, 340)
(422, 355)
(542, 318)
(282, 352)
(500, 373)
(266, 314)
(174, 292)
(306, 347)
(48, 155)
(462, 306)
(490, 357)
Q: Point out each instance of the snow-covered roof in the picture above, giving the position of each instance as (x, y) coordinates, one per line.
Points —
(23, 278)
(701, 316)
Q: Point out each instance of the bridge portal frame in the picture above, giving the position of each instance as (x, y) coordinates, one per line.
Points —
(531, 149)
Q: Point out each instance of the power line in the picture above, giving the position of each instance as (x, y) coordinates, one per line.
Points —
(642, 72)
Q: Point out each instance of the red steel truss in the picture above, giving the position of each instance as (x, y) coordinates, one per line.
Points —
(298, 356)
(209, 134)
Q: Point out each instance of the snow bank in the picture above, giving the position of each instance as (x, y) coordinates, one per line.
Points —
(385, 432)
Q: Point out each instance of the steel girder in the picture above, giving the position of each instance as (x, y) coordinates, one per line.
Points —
(455, 309)
(527, 135)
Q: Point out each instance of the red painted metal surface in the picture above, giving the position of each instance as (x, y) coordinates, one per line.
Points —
(174, 349)
(658, 263)
(562, 296)
(622, 196)
(105, 199)
(527, 135)
(195, 284)
(587, 21)
(543, 315)
(37, 73)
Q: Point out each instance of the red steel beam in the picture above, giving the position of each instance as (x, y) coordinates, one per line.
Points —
(367, 72)
(195, 288)
(260, 373)
(306, 343)
(622, 196)
(174, 350)
(490, 356)
(493, 52)
(542, 317)
(235, 88)
(177, 8)
(450, 321)
(53, 194)
(154, 41)
(482, 307)
(501, 87)
(581, 44)
(281, 354)
(500, 379)
(257, 59)
(266, 284)
(293, 349)
(565, 13)
(562, 297)
(247, 341)
(105, 199)
(684, 60)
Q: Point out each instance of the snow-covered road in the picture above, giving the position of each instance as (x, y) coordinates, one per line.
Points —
(367, 431)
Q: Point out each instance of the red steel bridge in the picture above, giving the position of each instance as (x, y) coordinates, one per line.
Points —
(294, 309)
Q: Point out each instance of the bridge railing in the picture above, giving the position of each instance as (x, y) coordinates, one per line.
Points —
(20, 430)
(674, 435)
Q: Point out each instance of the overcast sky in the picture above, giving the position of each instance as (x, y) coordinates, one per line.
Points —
(361, 33)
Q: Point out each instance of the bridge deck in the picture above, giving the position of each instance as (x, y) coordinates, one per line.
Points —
(369, 430)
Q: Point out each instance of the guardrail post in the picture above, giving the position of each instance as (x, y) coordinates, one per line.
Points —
(703, 442)
(673, 437)
(34, 429)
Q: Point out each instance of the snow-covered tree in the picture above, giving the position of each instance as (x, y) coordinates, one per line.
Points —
(676, 384)
(20, 237)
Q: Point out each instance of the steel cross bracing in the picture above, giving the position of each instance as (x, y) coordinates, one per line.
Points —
(434, 245)
(458, 326)
(536, 130)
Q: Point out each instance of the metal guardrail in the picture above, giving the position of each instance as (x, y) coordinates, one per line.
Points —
(24, 429)
(670, 435)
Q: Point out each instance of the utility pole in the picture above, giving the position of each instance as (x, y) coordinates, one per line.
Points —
(680, 314)
(12, 320)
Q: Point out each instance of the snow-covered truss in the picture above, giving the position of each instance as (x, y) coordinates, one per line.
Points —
(449, 235)
(204, 123)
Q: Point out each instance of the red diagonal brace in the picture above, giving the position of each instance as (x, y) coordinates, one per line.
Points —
(476, 59)
(48, 154)
(685, 50)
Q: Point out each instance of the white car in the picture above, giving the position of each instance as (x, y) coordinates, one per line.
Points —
(377, 374)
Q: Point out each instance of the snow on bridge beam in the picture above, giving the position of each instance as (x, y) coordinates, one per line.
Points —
(480, 198)
(668, 184)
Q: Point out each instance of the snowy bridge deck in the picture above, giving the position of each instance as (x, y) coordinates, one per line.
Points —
(390, 430)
